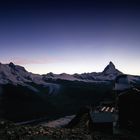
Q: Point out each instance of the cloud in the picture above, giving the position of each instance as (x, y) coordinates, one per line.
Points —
(26, 61)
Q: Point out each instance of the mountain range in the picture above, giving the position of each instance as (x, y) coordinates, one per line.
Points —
(25, 96)
(15, 74)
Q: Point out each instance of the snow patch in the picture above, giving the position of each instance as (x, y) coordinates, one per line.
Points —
(59, 122)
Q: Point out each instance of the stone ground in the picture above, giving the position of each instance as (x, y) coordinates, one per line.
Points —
(9, 131)
(79, 131)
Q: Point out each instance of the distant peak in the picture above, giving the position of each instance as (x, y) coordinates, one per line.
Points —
(11, 64)
(50, 74)
(110, 69)
(111, 64)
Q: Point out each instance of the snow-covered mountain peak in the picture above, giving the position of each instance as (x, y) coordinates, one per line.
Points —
(111, 69)
(11, 64)
(16, 67)
(11, 73)
(111, 64)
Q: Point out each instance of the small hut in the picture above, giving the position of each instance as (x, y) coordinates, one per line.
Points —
(103, 120)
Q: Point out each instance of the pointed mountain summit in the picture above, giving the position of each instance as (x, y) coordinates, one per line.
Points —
(111, 69)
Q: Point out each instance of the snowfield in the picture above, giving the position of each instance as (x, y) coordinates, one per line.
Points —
(59, 122)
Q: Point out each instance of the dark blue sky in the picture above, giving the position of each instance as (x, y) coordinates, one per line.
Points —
(70, 35)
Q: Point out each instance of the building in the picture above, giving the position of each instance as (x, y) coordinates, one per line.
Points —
(121, 83)
(104, 119)
(127, 103)
(129, 109)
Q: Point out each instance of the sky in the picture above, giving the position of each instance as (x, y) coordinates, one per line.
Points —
(71, 36)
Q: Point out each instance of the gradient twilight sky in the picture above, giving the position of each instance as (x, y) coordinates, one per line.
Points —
(71, 36)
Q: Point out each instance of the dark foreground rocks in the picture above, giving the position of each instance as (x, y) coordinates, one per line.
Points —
(77, 130)
(9, 131)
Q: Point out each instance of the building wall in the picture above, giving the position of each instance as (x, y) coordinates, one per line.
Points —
(129, 110)
(103, 127)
